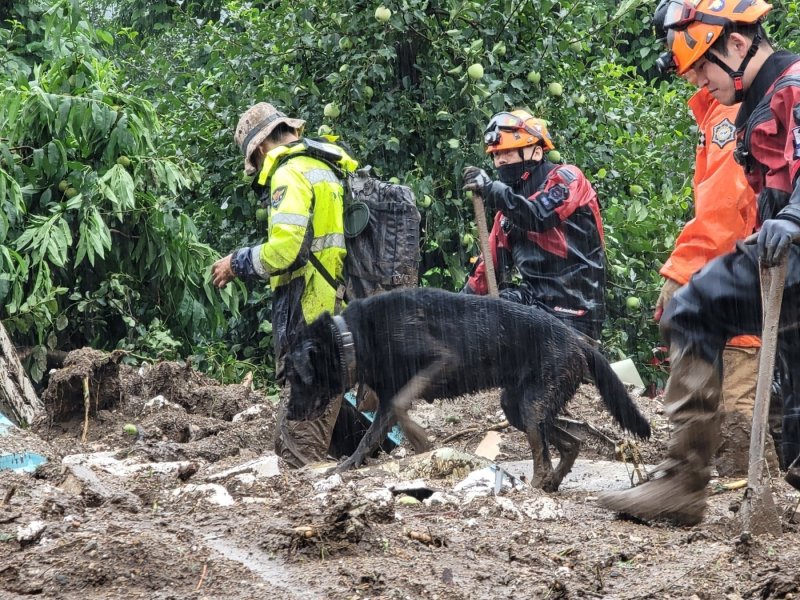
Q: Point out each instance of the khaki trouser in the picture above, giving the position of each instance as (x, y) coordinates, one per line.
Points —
(740, 367)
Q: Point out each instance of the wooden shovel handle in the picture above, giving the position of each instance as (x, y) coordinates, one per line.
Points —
(772, 284)
(483, 239)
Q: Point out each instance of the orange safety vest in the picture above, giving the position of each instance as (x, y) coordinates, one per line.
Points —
(724, 204)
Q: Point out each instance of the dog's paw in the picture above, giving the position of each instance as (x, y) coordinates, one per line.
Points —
(345, 465)
(550, 485)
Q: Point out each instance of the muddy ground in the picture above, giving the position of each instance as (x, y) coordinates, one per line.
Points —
(195, 505)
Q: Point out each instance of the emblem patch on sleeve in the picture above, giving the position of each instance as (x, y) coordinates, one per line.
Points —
(277, 196)
(796, 134)
(723, 133)
(555, 196)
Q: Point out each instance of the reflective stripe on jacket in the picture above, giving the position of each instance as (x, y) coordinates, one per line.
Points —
(724, 204)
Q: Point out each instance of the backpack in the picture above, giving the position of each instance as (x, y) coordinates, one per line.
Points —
(381, 226)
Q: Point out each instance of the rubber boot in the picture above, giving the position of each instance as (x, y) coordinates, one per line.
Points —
(304, 442)
(679, 494)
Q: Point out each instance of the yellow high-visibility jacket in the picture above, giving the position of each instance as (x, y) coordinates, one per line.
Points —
(306, 215)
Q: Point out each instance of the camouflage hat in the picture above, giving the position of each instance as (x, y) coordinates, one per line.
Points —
(254, 127)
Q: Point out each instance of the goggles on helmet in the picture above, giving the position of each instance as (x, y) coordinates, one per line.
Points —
(681, 14)
(503, 121)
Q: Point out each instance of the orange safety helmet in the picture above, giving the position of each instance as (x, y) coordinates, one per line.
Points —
(515, 129)
(694, 25)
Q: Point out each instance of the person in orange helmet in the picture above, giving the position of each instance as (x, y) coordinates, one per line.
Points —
(547, 225)
(725, 212)
(725, 45)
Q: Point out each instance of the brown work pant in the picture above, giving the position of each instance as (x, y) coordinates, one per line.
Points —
(740, 368)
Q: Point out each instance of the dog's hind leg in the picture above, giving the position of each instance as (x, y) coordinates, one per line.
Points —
(378, 430)
(568, 447)
(542, 465)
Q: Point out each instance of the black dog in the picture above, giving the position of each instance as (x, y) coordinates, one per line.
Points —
(427, 343)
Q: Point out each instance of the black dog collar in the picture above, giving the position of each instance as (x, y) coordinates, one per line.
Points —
(347, 351)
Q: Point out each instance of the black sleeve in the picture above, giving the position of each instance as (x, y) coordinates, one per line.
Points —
(537, 215)
(791, 212)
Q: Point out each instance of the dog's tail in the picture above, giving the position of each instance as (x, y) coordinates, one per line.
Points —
(614, 394)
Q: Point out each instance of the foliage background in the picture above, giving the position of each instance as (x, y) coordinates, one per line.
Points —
(132, 103)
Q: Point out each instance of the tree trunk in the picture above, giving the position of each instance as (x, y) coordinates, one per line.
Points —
(18, 400)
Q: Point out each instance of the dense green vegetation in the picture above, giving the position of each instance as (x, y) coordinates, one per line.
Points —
(120, 183)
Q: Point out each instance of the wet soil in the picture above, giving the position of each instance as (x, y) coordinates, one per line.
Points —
(195, 505)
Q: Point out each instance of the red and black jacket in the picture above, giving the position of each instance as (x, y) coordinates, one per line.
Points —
(768, 137)
(549, 228)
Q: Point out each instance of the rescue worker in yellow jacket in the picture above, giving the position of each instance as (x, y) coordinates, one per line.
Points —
(306, 209)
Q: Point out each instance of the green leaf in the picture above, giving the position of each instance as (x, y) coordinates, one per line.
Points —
(106, 37)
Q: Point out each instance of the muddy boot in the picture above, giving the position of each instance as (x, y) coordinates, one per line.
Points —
(303, 442)
(733, 456)
(679, 494)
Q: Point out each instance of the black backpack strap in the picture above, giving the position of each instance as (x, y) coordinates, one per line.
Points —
(341, 290)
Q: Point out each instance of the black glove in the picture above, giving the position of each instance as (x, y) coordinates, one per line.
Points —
(475, 180)
(774, 239)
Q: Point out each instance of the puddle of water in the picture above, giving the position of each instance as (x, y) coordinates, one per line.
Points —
(272, 571)
(586, 475)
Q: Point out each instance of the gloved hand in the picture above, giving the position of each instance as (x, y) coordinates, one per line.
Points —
(775, 238)
(475, 180)
(667, 291)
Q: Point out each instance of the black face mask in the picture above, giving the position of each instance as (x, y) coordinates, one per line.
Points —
(512, 174)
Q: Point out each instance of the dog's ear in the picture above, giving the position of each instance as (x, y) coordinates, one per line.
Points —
(304, 361)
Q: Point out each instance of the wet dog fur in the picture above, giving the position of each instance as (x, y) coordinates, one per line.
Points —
(426, 344)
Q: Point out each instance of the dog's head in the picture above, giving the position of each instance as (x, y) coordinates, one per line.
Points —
(313, 370)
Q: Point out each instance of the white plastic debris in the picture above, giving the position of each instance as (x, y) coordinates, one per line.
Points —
(248, 414)
(212, 493)
(328, 484)
(263, 468)
(105, 461)
(441, 499)
(487, 481)
(381, 496)
(159, 403)
(508, 508)
(30, 532)
(543, 508)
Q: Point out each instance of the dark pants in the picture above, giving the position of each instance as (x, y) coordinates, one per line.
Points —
(337, 432)
(522, 295)
(723, 300)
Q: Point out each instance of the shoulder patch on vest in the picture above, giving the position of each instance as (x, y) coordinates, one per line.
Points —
(723, 133)
(796, 134)
(554, 197)
(796, 131)
(567, 175)
(277, 196)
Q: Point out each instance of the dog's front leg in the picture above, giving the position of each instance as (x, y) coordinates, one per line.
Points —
(378, 430)
(411, 391)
